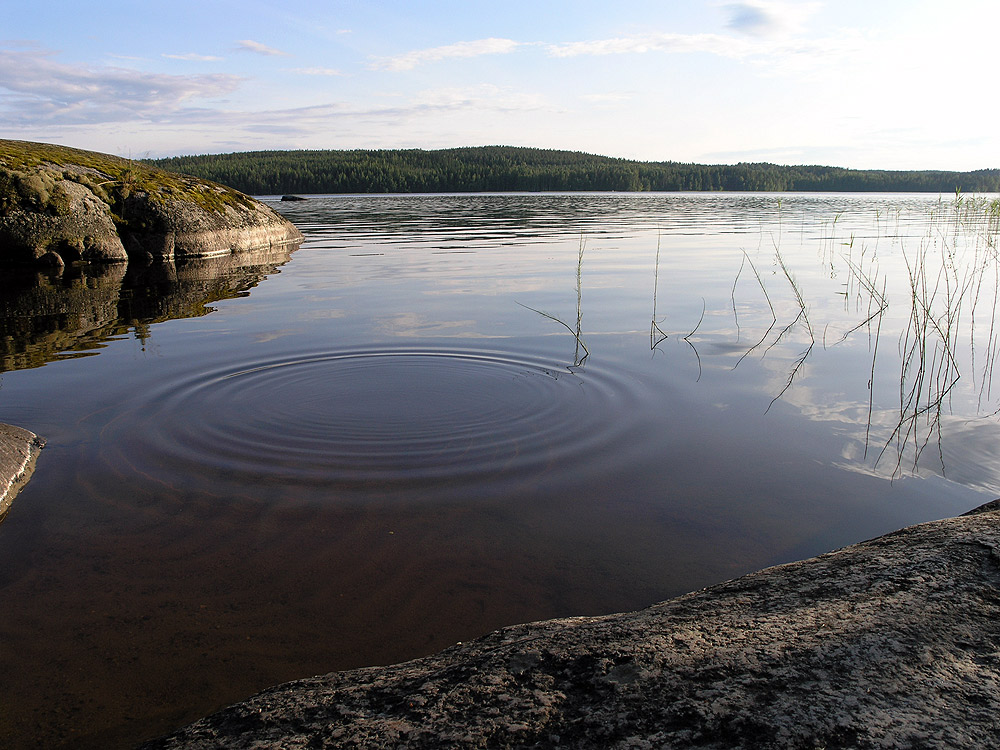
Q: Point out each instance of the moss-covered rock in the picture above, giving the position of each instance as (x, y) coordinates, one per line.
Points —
(60, 205)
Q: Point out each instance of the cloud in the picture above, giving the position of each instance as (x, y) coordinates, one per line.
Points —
(316, 71)
(803, 58)
(476, 48)
(611, 97)
(768, 18)
(22, 43)
(677, 43)
(192, 56)
(42, 91)
(485, 96)
(289, 124)
(91, 123)
(249, 45)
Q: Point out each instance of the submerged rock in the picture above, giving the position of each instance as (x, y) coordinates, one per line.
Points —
(61, 205)
(18, 450)
(891, 643)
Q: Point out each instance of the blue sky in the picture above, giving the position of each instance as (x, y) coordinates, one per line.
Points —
(874, 84)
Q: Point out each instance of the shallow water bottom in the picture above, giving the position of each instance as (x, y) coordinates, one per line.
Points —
(139, 610)
(384, 448)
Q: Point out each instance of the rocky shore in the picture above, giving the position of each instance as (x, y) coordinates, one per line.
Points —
(60, 205)
(18, 450)
(891, 643)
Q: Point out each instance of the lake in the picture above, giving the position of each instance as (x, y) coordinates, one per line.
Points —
(445, 414)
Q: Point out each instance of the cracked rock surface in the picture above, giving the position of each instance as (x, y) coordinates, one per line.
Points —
(891, 643)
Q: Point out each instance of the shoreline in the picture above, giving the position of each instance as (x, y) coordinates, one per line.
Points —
(890, 643)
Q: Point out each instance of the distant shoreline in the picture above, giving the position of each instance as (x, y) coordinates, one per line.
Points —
(502, 169)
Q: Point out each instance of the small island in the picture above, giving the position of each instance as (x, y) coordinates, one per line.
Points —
(61, 205)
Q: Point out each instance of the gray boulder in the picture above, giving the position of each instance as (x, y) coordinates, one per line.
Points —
(174, 228)
(78, 227)
(60, 205)
(18, 450)
(891, 643)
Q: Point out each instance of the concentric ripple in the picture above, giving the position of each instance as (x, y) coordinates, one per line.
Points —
(386, 416)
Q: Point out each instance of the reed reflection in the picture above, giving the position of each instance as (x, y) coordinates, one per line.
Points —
(938, 301)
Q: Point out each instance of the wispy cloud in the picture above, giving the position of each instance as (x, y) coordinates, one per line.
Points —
(21, 43)
(36, 90)
(798, 56)
(477, 48)
(316, 71)
(769, 18)
(716, 44)
(194, 57)
(249, 45)
(42, 90)
(611, 97)
(484, 97)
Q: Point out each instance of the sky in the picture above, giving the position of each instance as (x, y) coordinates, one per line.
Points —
(873, 84)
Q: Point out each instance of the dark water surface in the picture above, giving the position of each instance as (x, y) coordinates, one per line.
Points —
(445, 414)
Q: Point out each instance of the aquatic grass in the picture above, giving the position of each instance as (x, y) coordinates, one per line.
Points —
(577, 360)
(948, 279)
(656, 334)
(578, 332)
(687, 338)
(803, 316)
(948, 331)
(876, 298)
(770, 305)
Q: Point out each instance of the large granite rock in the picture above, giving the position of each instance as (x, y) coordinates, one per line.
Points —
(18, 450)
(60, 205)
(179, 228)
(892, 643)
(81, 229)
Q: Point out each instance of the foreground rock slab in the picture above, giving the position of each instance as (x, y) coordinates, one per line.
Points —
(891, 643)
(18, 450)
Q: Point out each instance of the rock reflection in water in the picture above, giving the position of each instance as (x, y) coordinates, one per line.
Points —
(55, 314)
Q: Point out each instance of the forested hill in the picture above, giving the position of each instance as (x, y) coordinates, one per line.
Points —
(504, 168)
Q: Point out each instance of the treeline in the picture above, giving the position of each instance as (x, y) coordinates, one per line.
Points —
(505, 168)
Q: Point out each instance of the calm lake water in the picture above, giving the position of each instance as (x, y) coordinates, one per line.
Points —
(445, 414)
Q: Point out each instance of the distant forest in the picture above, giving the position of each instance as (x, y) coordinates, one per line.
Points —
(505, 168)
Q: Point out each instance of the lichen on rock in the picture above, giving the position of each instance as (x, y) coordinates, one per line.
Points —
(61, 205)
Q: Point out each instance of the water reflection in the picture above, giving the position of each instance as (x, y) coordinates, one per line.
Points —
(925, 309)
(382, 451)
(453, 221)
(581, 351)
(47, 316)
